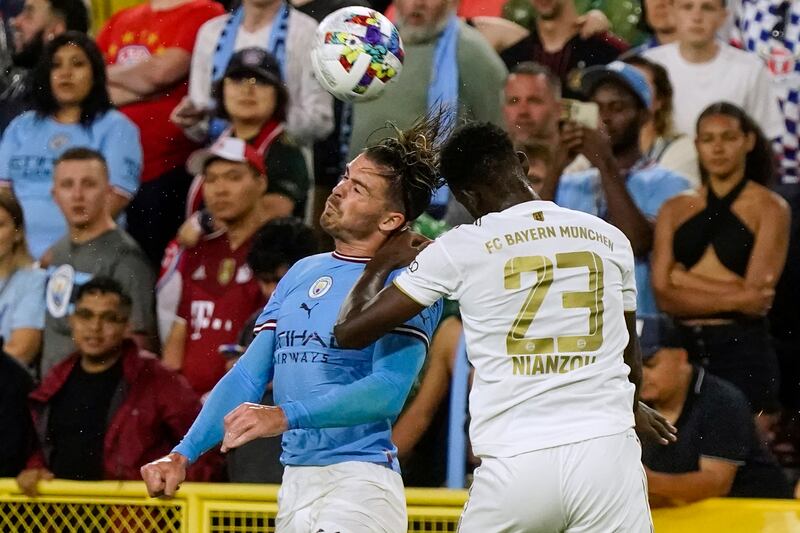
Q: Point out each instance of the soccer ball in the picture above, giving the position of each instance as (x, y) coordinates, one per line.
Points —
(357, 52)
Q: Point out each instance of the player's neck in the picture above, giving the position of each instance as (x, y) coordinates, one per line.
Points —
(82, 234)
(554, 33)
(699, 54)
(247, 130)
(256, 17)
(356, 249)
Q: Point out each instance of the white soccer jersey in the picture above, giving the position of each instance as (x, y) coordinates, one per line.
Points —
(542, 291)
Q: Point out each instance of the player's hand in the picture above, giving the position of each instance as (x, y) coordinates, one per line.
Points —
(651, 424)
(400, 249)
(592, 23)
(186, 114)
(252, 421)
(28, 480)
(163, 477)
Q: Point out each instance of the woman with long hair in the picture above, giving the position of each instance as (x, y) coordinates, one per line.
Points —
(719, 252)
(71, 108)
(658, 140)
(252, 99)
(21, 287)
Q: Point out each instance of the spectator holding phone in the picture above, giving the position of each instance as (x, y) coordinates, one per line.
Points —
(622, 187)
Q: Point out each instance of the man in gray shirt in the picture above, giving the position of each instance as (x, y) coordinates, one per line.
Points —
(93, 246)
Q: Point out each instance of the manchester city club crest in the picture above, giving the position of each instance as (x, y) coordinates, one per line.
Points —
(320, 287)
(59, 290)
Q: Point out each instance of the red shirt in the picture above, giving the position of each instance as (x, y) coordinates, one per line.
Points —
(133, 35)
(218, 295)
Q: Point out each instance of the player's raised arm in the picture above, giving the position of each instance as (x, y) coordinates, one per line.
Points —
(245, 382)
(371, 309)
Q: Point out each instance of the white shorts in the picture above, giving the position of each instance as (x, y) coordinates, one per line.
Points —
(351, 497)
(594, 486)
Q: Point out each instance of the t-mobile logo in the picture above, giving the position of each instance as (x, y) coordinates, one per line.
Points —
(202, 311)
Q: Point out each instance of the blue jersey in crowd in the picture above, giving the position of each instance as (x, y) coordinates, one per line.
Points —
(649, 186)
(337, 401)
(31, 145)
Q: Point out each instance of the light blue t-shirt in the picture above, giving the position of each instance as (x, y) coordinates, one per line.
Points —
(307, 363)
(29, 148)
(649, 185)
(22, 301)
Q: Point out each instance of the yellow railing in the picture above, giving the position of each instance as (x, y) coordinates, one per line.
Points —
(107, 506)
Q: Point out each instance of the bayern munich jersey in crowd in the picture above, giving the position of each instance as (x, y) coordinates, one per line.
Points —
(520, 276)
(771, 29)
(307, 362)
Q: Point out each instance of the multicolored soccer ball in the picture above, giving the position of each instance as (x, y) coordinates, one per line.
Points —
(357, 52)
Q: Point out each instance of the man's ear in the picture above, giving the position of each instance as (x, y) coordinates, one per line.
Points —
(393, 221)
(523, 160)
(57, 27)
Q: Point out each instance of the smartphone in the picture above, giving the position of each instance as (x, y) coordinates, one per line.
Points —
(584, 113)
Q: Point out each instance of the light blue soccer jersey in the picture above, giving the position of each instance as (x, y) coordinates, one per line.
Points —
(649, 185)
(307, 362)
(30, 146)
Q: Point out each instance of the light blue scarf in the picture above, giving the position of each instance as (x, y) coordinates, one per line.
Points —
(443, 89)
(276, 45)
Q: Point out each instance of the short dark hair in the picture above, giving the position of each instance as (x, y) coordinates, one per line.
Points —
(97, 102)
(82, 153)
(282, 241)
(477, 152)
(760, 162)
(104, 285)
(531, 68)
(73, 13)
(412, 161)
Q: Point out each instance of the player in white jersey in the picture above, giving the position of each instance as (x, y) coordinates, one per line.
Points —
(548, 301)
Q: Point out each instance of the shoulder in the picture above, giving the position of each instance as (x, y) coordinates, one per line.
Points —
(125, 245)
(22, 123)
(212, 27)
(741, 57)
(608, 40)
(769, 202)
(499, 31)
(723, 395)
(660, 53)
(654, 173)
(578, 178)
(113, 119)
(29, 276)
(682, 202)
(471, 43)
(126, 14)
(300, 21)
(203, 9)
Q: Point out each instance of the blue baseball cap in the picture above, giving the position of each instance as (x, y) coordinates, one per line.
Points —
(626, 74)
(657, 332)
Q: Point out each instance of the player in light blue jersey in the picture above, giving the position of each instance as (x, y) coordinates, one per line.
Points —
(334, 407)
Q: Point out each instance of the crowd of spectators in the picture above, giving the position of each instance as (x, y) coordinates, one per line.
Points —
(163, 168)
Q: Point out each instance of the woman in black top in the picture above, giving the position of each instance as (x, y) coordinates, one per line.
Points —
(719, 252)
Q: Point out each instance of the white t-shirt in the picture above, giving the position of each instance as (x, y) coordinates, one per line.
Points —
(310, 111)
(733, 76)
(542, 291)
